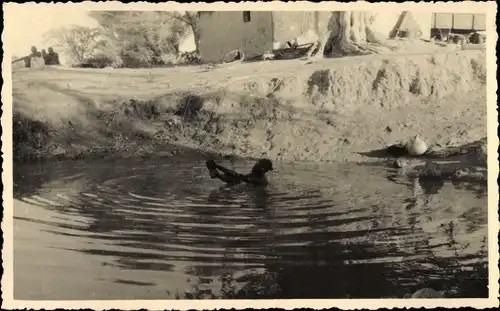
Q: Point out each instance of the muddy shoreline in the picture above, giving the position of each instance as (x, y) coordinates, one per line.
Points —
(331, 111)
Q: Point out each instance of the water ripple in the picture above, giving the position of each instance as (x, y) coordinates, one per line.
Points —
(164, 216)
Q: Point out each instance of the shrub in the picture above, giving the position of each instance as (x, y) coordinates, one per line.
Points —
(169, 59)
(189, 58)
(100, 61)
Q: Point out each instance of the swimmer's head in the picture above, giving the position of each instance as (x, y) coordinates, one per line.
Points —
(263, 166)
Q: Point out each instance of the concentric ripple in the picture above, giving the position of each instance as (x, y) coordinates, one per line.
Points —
(318, 231)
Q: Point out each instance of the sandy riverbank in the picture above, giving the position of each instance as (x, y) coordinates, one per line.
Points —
(326, 111)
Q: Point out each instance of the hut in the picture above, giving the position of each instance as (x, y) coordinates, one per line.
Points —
(252, 32)
(255, 32)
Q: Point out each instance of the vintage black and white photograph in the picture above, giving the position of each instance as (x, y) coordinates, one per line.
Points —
(273, 153)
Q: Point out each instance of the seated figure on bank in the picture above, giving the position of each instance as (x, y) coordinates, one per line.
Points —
(52, 57)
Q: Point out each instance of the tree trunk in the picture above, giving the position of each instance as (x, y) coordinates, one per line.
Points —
(351, 38)
(192, 21)
(196, 34)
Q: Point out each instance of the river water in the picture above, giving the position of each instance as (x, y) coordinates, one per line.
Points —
(162, 229)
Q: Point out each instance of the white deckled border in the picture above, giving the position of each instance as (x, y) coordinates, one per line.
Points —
(493, 142)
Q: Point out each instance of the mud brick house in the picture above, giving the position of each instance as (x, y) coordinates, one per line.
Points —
(252, 32)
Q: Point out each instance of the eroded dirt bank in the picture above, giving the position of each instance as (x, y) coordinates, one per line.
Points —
(327, 111)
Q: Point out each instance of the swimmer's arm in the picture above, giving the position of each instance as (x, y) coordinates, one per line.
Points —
(230, 179)
(232, 173)
(256, 181)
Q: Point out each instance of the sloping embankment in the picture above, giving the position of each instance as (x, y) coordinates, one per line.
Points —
(285, 110)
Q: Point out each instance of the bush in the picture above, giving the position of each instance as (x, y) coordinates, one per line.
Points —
(169, 59)
(136, 58)
(190, 58)
(100, 61)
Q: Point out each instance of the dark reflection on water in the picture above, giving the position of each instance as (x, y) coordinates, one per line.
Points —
(318, 231)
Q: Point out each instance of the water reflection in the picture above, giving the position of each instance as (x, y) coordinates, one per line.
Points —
(362, 232)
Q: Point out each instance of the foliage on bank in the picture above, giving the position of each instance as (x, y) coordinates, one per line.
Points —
(131, 39)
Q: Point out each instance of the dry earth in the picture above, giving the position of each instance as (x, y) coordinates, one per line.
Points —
(329, 110)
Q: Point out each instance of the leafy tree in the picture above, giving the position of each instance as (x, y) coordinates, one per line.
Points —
(191, 20)
(78, 42)
(140, 38)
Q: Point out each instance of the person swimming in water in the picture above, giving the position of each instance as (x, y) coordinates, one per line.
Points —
(256, 177)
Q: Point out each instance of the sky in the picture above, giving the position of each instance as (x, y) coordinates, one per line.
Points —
(26, 24)
(31, 23)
